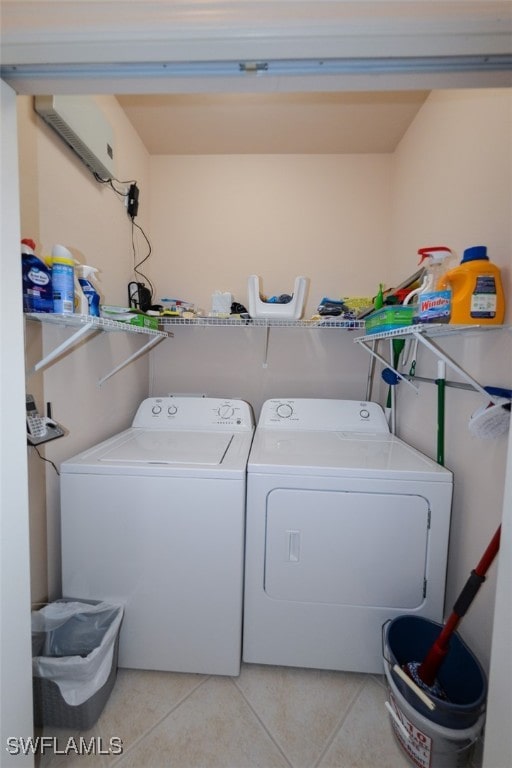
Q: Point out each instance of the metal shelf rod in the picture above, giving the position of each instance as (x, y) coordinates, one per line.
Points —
(151, 343)
(383, 360)
(455, 367)
(62, 347)
(87, 324)
(420, 333)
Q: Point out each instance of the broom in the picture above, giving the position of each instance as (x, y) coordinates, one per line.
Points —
(424, 673)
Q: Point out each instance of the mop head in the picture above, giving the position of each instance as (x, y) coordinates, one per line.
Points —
(412, 669)
(491, 420)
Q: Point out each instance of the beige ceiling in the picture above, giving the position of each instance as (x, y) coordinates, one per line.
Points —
(272, 123)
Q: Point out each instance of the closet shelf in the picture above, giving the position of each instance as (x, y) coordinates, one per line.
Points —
(421, 334)
(428, 329)
(229, 322)
(87, 324)
(236, 322)
(95, 323)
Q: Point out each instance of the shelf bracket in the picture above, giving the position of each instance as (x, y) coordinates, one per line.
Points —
(453, 365)
(265, 350)
(61, 348)
(151, 343)
(419, 334)
(88, 324)
(372, 351)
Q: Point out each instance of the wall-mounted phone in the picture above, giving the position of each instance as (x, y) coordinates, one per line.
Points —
(40, 429)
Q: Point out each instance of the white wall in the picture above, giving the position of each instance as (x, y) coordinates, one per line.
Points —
(215, 220)
(453, 178)
(62, 203)
(499, 709)
(15, 647)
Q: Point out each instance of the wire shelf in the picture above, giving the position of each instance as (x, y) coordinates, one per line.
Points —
(95, 323)
(428, 329)
(84, 326)
(229, 322)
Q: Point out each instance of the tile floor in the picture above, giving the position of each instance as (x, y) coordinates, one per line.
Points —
(268, 717)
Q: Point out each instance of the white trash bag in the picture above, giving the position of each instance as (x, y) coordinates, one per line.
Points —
(75, 646)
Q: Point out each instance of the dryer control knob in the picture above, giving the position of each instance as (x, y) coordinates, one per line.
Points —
(226, 412)
(284, 410)
(156, 409)
(172, 410)
(364, 414)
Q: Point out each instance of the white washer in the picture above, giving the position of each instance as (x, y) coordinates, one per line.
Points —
(154, 518)
(347, 527)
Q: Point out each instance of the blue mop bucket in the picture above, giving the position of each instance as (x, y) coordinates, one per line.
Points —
(409, 638)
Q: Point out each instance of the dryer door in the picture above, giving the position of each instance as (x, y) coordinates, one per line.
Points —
(346, 548)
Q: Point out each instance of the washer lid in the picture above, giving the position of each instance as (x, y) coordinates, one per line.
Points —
(155, 447)
(159, 452)
(342, 454)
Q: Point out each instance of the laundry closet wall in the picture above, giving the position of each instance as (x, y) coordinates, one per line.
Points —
(62, 203)
(453, 186)
(215, 220)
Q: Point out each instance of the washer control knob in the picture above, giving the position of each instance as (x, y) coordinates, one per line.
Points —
(226, 412)
(172, 410)
(284, 410)
(364, 414)
(156, 409)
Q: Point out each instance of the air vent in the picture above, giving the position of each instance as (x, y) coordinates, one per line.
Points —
(82, 125)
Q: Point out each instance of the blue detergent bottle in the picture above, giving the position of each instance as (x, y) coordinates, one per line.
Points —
(37, 280)
(85, 276)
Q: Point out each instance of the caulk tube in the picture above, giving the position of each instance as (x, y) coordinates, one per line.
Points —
(85, 280)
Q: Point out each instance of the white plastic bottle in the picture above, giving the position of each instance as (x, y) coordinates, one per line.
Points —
(81, 303)
(89, 300)
(63, 280)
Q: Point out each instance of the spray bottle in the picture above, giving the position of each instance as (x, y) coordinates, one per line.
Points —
(89, 300)
(81, 303)
(433, 304)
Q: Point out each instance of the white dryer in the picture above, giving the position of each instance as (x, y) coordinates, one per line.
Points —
(154, 518)
(347, 527)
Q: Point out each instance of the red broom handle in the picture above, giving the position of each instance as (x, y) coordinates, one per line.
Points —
(489, 554)
(428, 669)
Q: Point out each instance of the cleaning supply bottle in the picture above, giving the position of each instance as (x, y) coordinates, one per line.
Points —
(433, 303)
(37, 280)
(63, 280)
(378, 301)
(477, 291)
(81, 303)
(85, 275)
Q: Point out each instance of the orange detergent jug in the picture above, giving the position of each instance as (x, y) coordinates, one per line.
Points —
(477, 292)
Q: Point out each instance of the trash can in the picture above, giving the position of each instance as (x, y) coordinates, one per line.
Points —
(74, 664)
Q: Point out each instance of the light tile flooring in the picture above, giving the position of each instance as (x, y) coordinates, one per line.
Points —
(269, 717)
